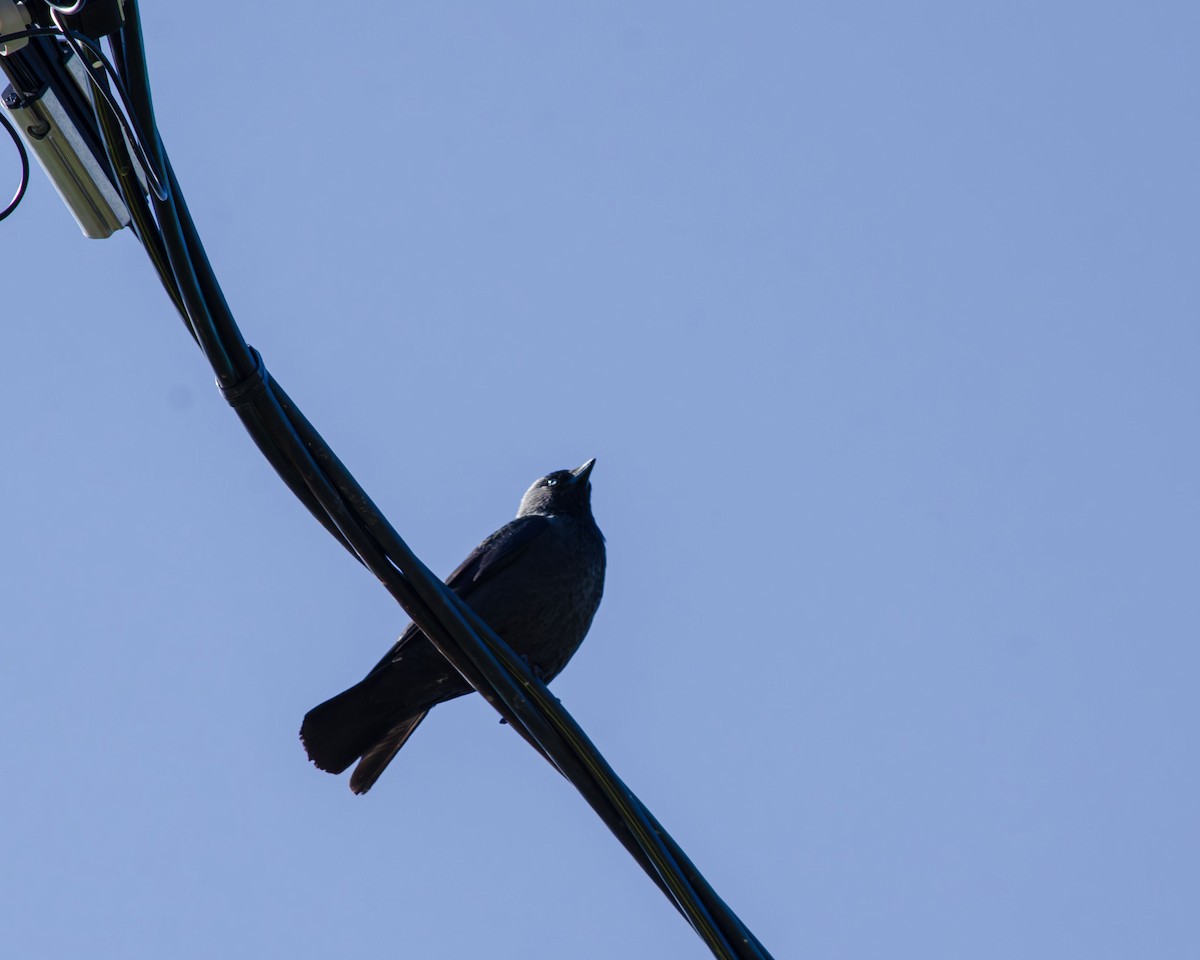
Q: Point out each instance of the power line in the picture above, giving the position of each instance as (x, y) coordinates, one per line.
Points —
(122, 152)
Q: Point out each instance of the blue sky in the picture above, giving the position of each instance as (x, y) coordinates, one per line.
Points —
(881, 322)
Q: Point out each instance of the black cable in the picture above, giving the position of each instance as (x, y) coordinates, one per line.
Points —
(314, 473)
(175, 235)
(208, 314)
(240, 363)
(142, 222)
(20, 194)
(136, 77)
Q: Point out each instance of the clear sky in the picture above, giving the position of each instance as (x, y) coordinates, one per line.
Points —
(881, 321)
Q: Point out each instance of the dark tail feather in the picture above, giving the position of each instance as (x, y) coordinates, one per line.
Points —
(343, 728)
(375, 760)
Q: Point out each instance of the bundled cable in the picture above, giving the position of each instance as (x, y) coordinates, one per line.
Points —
(136, 161)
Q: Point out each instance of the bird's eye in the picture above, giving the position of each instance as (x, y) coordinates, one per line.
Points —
(550, 481)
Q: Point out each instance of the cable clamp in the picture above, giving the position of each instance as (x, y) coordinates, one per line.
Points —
(247, 390)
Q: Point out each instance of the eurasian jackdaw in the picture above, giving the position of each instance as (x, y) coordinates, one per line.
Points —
(536, 581)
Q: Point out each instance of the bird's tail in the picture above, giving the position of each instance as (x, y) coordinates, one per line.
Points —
(375, 760)
(345, 727)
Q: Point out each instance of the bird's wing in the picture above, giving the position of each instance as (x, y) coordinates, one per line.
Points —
(376, 759)
(495, 553)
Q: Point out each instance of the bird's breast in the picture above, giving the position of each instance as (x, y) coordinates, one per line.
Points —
(543, 605)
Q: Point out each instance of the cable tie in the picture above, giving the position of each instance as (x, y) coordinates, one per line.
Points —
(247, 390)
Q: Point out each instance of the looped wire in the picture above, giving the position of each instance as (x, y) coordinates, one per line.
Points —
(24, 157)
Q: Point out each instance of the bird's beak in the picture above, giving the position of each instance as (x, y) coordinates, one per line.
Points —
(581, 474)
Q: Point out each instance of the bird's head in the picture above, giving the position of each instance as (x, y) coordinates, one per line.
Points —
(561, 493)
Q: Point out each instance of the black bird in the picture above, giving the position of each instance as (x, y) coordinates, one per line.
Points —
(536, 581)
